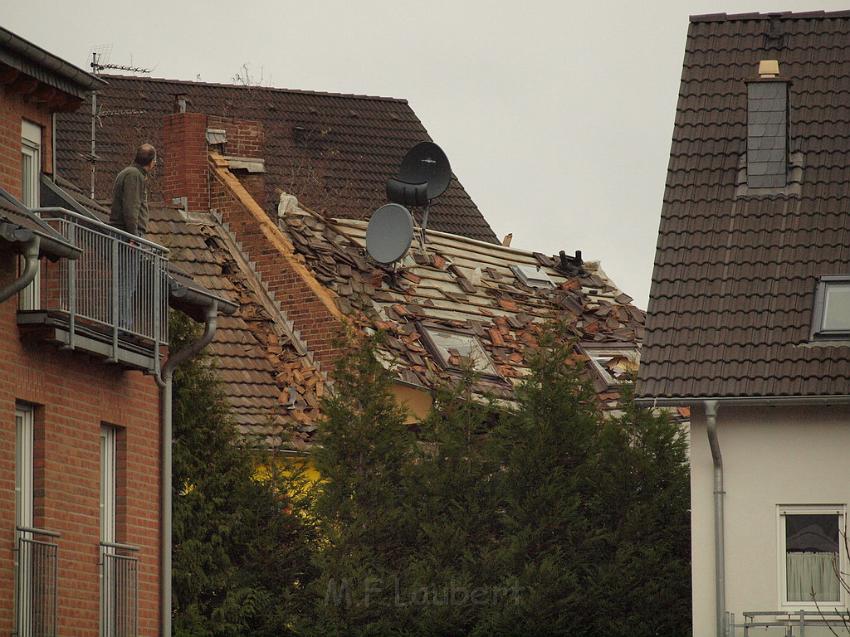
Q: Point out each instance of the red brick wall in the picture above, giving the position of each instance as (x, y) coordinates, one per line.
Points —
(244, 137)
(318, 327)
(74, 395)
(13, 109)
(184, 173)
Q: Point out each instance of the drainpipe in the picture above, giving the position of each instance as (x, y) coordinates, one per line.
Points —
(164, 381)
(719, 548)
(31, 263)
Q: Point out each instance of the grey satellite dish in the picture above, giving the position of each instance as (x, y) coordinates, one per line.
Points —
(425, 173)
(389, 233)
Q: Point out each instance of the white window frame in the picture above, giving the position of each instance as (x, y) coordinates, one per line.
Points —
(107, 483)
(482, 363)
(24, 460)
(31, 135)
(810, 509)
(819, 313)
(600, 353)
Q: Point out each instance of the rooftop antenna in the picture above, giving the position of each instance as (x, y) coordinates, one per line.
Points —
(97, 66)
(424, 175)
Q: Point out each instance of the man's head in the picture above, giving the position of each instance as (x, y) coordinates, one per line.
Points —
(146, 157)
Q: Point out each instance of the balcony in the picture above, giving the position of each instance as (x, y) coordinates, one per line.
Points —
(119, 590)
(111, 302)
(36, 583)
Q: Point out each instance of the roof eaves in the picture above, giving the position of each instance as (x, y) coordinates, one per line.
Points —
(263, 89)
(76, 81)
(803, 15)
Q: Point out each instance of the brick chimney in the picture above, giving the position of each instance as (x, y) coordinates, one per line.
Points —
(186, 170)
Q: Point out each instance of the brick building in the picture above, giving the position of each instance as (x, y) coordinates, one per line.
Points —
(80, 468)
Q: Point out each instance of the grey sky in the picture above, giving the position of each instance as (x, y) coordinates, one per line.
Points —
(556, 117)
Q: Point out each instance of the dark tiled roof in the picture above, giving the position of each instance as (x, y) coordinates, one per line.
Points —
(347, 145)
(733, 287)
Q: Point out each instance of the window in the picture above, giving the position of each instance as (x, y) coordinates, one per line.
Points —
(614, 364)
(30, 184)
(24, 466)
(532, 276)
(107, 484)
(811, 554)
(831, 318)
(456, 350)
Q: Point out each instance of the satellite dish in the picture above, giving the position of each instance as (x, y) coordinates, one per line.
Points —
(425, 173)
(389, 233)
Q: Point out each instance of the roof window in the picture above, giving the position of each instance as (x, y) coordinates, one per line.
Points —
(533, 276)
(457, 350)
(614, 364)
(832, 308)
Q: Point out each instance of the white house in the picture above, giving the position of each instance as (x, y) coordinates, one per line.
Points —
(749, 316)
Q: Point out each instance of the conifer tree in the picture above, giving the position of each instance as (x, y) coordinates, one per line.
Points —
(241, 546)
(365, 510)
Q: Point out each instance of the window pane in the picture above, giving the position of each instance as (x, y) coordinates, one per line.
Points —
(836, 310)
(465, 347)
(811, 557)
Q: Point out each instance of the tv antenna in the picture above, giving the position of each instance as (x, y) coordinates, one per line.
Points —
(424, 175)
(97, 66)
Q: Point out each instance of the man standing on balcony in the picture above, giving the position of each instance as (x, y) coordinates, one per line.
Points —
(130, 214)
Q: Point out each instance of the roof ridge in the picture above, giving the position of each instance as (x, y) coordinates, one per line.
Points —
(725, 17)
(163, 80)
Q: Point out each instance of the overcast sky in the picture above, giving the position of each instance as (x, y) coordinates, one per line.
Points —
(556, 117)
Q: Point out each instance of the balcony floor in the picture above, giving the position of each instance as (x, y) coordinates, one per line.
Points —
(52, 326)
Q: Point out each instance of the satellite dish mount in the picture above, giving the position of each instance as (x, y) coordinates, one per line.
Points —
(424, 175)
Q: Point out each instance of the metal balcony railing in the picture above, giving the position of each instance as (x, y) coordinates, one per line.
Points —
(790, 623)
(119, 590)
(36, 583)
(117, 288)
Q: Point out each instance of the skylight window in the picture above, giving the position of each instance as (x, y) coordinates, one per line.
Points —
(615, 365)
(456, 350)
(532, 276)
(832, 308)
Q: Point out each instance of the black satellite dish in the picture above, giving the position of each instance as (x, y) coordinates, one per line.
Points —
(389, 233)
(425, 173)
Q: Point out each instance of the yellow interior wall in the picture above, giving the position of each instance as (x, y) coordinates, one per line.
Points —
(417, 402)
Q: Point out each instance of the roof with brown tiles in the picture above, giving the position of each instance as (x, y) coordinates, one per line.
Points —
(468, 287)
(257, 364)
(732, 294)
(334, 152)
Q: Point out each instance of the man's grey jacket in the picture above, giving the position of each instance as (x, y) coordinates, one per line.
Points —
(130, 201)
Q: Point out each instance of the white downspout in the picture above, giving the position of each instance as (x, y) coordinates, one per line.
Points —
(164, 380)
(719, 545)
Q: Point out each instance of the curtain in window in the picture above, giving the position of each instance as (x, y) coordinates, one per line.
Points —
(812, 572)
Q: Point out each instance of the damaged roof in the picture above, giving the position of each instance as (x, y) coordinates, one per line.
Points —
(733, 289)
(460, 285)
(334, 152)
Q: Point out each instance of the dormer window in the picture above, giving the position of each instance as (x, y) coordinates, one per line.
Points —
(615, 365)
(457, 351)
(832, 308)
(532, 276)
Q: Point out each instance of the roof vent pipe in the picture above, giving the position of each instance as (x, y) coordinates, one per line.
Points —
(768, 69)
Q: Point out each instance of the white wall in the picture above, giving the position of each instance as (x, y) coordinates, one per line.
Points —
(771, 456)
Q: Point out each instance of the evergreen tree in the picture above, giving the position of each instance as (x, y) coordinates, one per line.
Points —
(364, 508)
(641, 504)
(546, 449)
(448, 583)
(241, 546)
